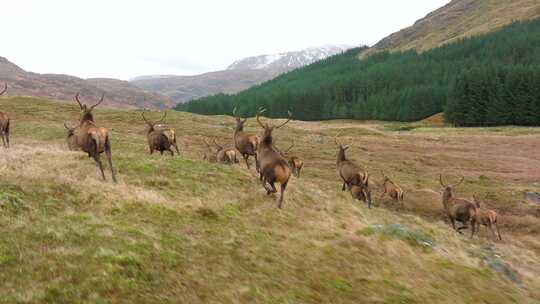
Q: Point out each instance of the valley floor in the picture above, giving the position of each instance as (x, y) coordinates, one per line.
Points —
(178, 229)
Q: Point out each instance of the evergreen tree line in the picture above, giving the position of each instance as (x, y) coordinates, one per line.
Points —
(486, 80)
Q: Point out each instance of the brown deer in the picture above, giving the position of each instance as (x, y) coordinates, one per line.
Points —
(225, 155)
(273, 167)
(210, 154)
(4, 124)
(158, 139)
(458, 209)
(244, 142)
(351, 174)
(295, 162)
(392, 189)
(71, 138)
(92, 139)
(487, 218)
(168, 131)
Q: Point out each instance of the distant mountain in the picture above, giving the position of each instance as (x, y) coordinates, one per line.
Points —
(459, 19)
(146, 77)
(284, 62)
(240, 75)
(118, 93)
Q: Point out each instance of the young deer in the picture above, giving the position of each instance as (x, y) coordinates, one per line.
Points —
(158, 139)
(392, 189)
(244, 142)
(487, 218)
(273, 167)
(210, 154)
(351, 174)
(458, 209)
(4, 124)
(225, 155)
(295, 162)
(71, 138)
(92, 139)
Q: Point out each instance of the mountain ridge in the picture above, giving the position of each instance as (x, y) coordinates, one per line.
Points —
(118, 93)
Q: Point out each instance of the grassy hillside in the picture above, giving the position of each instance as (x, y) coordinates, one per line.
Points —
(458, 19)
(183, 230)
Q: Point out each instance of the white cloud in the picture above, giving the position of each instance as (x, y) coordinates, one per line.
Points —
(122, 39)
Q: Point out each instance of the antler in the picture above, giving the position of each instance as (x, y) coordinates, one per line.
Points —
(290, 117)
(261, 110)
(459, 183)
(163, 117)
(217, 145)
(336, 137)
(97, 104)
(206, 143)
(144, 118)
(289, 149)
(78, 101)
(4, 90)
(234, 112)
(440, 180)
(65, 126)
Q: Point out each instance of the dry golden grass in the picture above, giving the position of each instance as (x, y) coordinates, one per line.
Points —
(183, 230)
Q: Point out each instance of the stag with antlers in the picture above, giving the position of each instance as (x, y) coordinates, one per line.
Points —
(273, 167)
(295, 162)
(159, 139)
(458, 209)
(168, 131)
(244, 142)
(353, 177)
(4, 123)
(92, 139)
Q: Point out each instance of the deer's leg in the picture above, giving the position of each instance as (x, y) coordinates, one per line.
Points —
(170, 150)
(382, 195)
(97, 159)
(498, 233)
(282, 190)
(108, 154)
(343, 187)
(176, 147)
(3, 140)
(7, 137)
(161, 152)
(492, 231)
(246, 156)
(473, 227)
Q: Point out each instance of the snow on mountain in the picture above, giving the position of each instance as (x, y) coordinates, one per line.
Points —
(289, 60)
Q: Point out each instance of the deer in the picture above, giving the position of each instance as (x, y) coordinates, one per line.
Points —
(458, 209)
(158, 139)
(295, 162)
(245, 143)
(210, 154)
(225, 155)
(272, 166)
(4, 123)
(392, 189)
(92, 139)
(487, 218)
(71, 138)
(169, 132)
(351, 174)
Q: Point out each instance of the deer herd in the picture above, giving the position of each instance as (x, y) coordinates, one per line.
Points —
(272, 164)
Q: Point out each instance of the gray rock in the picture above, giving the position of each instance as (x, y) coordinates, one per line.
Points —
(532, 197)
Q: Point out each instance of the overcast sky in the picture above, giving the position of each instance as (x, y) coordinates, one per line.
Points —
(123, 39)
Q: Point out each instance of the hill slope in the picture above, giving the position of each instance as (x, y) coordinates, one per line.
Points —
(407, 86)
(459, 19)
(63, 87)
(183, 230)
